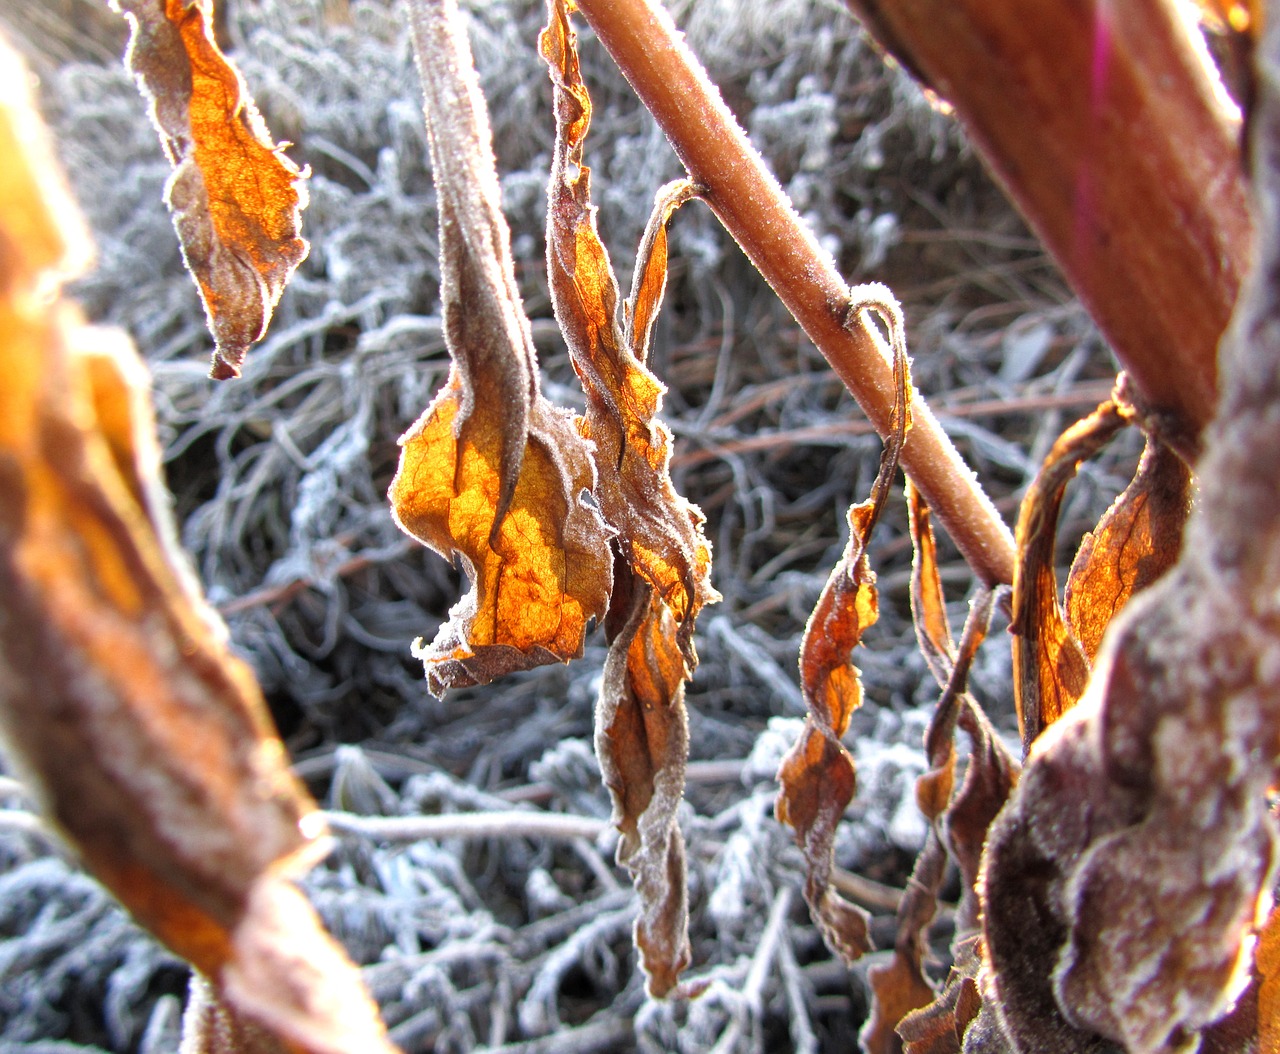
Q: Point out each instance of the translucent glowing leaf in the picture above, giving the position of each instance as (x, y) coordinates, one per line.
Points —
(817, 776)
(1135, 543)
(1049, 667)
(659, 531)
(147, 745)
(492, 474)
(234, 195)
(928, 606)
(662, 574)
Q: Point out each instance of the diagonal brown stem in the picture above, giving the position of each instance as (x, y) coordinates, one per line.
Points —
(747, 199)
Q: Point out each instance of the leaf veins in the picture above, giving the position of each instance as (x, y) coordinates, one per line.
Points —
(492, 473)
(234, 195)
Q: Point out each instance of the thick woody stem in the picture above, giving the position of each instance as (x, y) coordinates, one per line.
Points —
(1107, 125)
(671, 82)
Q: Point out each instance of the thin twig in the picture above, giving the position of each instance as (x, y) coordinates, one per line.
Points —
(558, 827)
(670, 81)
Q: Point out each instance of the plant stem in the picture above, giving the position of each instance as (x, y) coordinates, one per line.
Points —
(747, 199)
(1105, 125)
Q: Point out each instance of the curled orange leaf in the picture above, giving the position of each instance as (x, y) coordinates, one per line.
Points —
(1049, 666)
(492, 473)
(235, 197)
(663, 567)
(817, 777)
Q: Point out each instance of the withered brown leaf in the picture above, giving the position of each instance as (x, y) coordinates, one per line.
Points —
(642, 741)
(492, 473)
(1049, 667)
(663, 566)
(958, 825)
(235, 197)
(817, 776)
(660, 532)
(147, 745)
(1135, 542)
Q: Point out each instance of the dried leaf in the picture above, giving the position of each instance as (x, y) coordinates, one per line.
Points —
(492, 474)
(1049, 667)
(940, 1027)
(1135, 542)
(148, 746)
(817, 777)
(957, 829)
(234, 195)
(928, 605)
(642, 742)
(663, 566)
(659, 531)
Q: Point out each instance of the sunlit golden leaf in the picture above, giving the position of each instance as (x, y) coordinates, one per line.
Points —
(928, 606)
(234, 195)
(1135, 543)
(147, 745)
(662, 573)
(1049, 666)
(492, 474)
(660, 532)
(817, 776)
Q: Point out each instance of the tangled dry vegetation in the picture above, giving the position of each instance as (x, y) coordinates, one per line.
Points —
(473, 879)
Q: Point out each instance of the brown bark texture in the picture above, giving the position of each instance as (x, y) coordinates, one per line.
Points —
(1111, 132)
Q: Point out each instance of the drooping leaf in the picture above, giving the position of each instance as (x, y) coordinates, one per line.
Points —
(817, 776)
(1049, 667)
(146, 743)
(957, 828)
(663, 566)
(234, 195)
(492, 474)
(642, 742)
(1135, 542)
(660, 532)
(928, 607)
